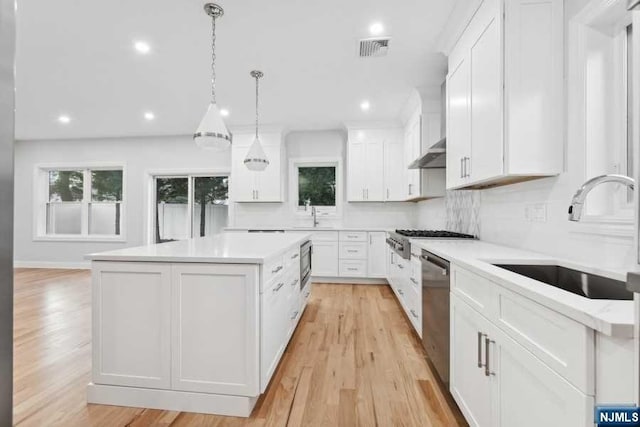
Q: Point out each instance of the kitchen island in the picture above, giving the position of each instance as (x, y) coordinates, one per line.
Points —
(197, 325)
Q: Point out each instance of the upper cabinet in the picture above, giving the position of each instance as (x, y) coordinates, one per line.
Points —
(264, 186)
(375, 167)
(505, 95)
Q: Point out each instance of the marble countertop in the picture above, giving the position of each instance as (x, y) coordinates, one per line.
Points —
(614, 318)
(224, 248)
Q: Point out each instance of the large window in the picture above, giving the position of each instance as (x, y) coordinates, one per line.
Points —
(316, 185)
(81, 203)
(189, 206)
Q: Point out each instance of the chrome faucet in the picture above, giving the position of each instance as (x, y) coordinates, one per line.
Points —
(314, 213)
(577, 203)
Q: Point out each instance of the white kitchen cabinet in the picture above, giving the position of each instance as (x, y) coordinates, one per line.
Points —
(262, 186)
(469, 385)
(324, 258)
(377, 255)
(494, 379)
(276, 310)
(207, 322)
(413, 149)
(365, 155)
(395, 171)
(504, 95)
(131, 342)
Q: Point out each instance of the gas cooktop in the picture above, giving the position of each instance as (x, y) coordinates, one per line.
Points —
(439, 234)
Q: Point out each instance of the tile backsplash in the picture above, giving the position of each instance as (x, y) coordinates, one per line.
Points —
(463, 211)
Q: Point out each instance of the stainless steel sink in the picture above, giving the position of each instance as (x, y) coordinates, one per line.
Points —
(574, 281)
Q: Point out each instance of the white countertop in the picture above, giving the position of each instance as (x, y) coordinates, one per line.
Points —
(304, 228)
(224, 248)
(614, 318)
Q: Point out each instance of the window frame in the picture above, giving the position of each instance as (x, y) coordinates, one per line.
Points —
(41, 199)
(323, 211)
(190, 174)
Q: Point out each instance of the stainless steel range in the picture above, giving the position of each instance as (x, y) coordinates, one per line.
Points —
(399, 240)
(435, 293)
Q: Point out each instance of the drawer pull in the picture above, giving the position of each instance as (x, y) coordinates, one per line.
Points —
(352, 269)
(276, 269)
(277, 288)
(306, 295)
(294, 315)
(400, 291)
(413, 313)
(295, 282)
(351, 236)
(295, 256)
(352, 251)
(400, 266)
(413, 280)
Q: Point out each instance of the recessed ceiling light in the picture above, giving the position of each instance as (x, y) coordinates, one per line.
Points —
(376, 28)
(224, 112)
(364, 105)
(149, 115)
(142, 47)
(64, 119)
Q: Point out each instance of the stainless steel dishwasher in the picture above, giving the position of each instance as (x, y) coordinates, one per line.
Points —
(435, 312)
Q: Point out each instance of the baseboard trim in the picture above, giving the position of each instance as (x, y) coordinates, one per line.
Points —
(171, 400)
(53, 264)
(349, 280)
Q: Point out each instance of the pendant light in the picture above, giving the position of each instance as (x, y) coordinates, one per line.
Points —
(256, 159)
(212, 132)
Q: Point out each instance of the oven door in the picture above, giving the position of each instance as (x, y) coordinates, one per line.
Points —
(305, 264)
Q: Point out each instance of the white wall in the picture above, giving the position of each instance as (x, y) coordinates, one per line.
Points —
(324, 144)
(138, 155)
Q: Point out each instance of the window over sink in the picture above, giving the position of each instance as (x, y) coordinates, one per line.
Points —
(315, 184)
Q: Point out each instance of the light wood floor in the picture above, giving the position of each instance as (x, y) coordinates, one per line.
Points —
(353, 361)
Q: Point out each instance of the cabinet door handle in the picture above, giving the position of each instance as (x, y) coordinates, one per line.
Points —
(387, 193)
(410, 188)
(487, 350)
(370, 239)
(400, 266)
(295, 256)
(461, 167)
(413, 280)
(274, 271)
(257, 194)
(413, 313)
(480, 335)
(277, 288)
(295, 314)
(468, 166)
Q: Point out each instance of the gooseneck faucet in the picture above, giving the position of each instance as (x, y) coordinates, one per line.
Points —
(577, 203)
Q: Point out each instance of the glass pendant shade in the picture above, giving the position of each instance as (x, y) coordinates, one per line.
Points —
(212, 134)
(256, 159)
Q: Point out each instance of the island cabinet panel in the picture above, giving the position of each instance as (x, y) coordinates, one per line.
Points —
(215, 323)
(131, 339)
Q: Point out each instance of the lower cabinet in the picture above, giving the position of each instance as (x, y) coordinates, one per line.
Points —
(215, 343)
(377, 252)
(276, 313)
(498, 382)
(324, 258)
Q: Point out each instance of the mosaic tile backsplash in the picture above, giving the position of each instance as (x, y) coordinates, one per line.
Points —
(463, 211)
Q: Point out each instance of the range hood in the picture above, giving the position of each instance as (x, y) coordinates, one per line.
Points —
(434, 158)
(436, 155)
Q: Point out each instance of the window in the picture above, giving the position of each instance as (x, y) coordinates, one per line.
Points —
(316, 184)
(81, 203)
(608, 119)
(189, 206)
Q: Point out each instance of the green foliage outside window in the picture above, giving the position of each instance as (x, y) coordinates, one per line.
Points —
(317, 186)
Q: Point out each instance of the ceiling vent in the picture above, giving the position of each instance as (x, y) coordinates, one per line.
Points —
(374, 47)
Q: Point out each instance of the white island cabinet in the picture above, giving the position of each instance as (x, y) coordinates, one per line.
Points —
(198, 325)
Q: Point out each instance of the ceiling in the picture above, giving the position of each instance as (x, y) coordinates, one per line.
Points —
(76, 58)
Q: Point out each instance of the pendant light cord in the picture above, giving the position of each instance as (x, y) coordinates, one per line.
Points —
(257, 82)
(213, 60)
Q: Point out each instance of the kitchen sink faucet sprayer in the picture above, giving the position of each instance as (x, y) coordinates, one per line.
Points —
(577, 203)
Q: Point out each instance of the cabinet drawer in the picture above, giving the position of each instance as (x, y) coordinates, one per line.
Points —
(353, 268)
(413, 307)
(324, 236)
(353, 250)
(477, 291)
(292, 257)
(353, 236)
(561, 343)
(272, 269)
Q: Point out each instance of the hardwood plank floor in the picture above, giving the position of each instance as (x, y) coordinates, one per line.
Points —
(353, 361)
